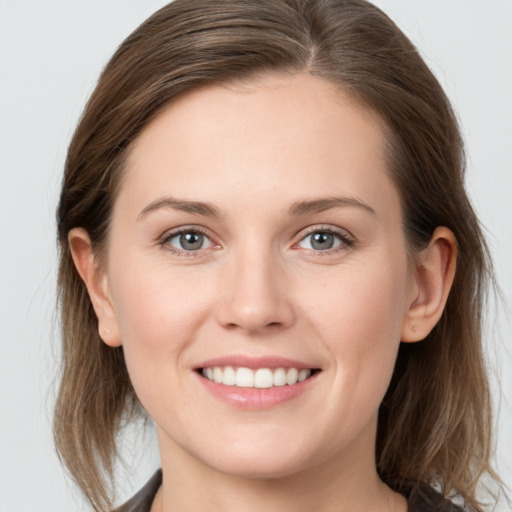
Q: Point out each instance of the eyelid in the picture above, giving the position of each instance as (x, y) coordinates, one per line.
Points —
(324, 228)
(191, 228)
(346, 238)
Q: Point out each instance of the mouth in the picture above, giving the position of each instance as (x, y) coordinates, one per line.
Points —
(260, 378)
(257, 383)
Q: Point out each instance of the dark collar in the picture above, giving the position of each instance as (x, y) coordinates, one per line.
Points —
(422, 499)
(142, 501)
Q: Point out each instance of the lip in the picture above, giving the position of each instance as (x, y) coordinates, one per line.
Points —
(256, 398)
(271, 362)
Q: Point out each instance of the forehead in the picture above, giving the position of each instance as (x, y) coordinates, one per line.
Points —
(283, 136)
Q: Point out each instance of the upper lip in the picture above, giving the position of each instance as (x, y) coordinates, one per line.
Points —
(252, 362)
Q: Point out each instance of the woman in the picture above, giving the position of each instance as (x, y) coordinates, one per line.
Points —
(266, 247)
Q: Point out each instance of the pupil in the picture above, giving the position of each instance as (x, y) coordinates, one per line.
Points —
(191, 241)
(322, 241)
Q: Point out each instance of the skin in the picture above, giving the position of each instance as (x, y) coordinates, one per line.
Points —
(257, 287)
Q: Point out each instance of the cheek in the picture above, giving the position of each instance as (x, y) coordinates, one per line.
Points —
(361, 298)
(151, 300)
(158, 317)
(359, 319)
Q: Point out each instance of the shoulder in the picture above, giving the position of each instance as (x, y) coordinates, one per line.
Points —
(142, 501)
(425, 499)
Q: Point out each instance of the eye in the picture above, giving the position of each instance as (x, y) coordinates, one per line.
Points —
(324, 240)
(188, 240)
(320, 241)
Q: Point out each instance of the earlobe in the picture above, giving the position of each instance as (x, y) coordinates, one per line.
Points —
(96, 281)
(434, 273)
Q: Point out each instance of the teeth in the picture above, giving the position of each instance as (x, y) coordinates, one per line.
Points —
(292, 376)
(303, 375)
(261, 378)
(244, 378)
(279, 377)
(229, 376)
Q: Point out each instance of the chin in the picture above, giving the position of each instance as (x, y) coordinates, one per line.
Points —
(260, 464)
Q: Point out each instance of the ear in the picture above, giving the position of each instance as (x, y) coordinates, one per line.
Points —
(96, 281)
(433, 274)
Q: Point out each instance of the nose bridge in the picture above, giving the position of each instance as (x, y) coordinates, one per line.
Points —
(255, 292)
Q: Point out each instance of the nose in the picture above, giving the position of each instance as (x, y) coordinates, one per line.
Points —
(255, 295)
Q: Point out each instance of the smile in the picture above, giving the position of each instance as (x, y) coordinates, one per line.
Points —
(261, 378)
(256, 383)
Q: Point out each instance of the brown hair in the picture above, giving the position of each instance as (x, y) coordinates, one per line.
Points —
(435, 422)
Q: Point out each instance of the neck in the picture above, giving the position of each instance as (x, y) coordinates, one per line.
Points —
(346, 483)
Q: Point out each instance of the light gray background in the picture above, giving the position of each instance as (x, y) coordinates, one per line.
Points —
(51, 54)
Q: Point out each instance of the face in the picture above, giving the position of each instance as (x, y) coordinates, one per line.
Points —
(257, 241)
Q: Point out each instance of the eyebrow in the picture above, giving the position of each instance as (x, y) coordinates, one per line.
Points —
(296, 209)
(323, 204)
(183, 205)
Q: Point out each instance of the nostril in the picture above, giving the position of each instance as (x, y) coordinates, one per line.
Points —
(254, 308)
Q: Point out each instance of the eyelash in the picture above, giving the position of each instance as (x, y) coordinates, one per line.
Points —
(346, 241)
(165, 241)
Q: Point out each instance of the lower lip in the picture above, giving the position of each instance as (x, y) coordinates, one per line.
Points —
(256, 398)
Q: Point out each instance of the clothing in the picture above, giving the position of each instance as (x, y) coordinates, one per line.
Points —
(424, 500)
(142, 501)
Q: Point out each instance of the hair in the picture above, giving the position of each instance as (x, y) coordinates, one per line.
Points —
(435, 421)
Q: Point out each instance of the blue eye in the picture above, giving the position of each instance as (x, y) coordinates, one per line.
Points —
(189, 241)
(322, 241)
